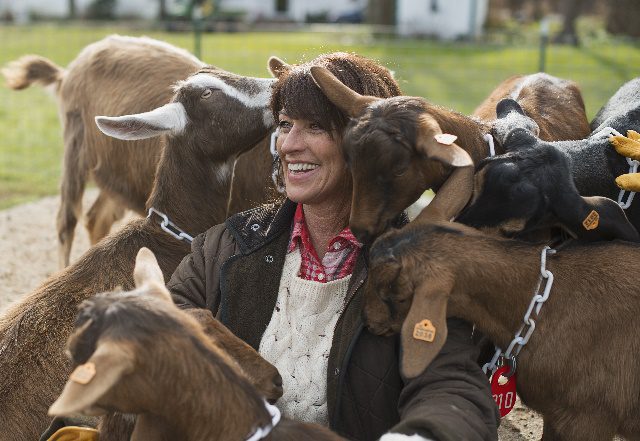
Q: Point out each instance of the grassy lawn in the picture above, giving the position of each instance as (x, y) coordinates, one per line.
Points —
(456, 75)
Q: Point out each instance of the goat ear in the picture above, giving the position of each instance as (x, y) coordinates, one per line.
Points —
(506, 106)
(422, 340)
(277, 67)
(147, 273)
(170, 118)
(594, 218)
(456, 191)
(89, 382)
(347, 100)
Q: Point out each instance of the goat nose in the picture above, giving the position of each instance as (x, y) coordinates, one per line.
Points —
(277, 380)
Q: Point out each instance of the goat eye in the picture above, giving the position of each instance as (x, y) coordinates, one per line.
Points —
(206, 94)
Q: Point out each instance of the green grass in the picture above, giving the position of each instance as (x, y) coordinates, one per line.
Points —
(456, 75)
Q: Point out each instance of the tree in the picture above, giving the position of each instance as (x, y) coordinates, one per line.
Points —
(571, 11)
(72, 9)
(624, 17)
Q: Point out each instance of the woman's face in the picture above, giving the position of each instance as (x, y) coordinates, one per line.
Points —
(313, 166)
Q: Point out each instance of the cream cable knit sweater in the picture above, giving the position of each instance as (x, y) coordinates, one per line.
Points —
(298, 339)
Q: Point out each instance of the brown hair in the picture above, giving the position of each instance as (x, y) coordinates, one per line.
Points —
(296, 91)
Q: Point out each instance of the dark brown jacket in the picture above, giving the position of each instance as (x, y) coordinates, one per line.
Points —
(234, 270)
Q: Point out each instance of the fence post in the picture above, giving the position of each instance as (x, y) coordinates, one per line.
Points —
(544, 41)
(196, 18)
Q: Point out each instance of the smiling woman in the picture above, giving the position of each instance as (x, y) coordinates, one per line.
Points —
(288, 279)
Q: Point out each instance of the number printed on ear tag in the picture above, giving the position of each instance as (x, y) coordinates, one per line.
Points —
(83, 373)
(424, 330)
(504, 394)
(591, 221)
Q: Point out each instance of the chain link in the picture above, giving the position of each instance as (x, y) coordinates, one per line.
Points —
(529, 324)
(169, 226)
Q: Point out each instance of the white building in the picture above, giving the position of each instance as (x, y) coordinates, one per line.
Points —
(295, 10)
(445, 19)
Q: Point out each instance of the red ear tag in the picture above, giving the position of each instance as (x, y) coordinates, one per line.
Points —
(504, 394)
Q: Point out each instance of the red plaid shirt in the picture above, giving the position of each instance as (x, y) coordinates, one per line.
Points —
(338, 261)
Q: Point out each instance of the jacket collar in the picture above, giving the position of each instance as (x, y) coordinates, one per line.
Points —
(255, 228)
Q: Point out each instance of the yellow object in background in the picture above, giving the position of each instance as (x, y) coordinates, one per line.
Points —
(75, 433)
(628, 146)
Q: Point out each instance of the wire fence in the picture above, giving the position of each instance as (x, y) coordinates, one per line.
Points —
(457, 75)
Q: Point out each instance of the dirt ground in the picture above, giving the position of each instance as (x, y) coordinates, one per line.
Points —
(28, 255)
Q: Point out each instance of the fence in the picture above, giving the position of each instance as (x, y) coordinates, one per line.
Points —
(457, 75)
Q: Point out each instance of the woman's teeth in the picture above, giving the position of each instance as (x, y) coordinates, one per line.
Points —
(301, 166)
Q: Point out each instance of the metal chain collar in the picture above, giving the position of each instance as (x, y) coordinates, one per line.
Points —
(529, 324)
(169, 226)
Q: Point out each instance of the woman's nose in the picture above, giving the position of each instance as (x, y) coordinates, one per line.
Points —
(291, 141)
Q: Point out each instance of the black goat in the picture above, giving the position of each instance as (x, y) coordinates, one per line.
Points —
(531, 187)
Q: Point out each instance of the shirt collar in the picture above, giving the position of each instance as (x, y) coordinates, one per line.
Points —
(300, 234)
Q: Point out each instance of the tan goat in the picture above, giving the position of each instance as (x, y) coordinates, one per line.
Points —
(117, 75)
(130, 340)
(391, 144)
(578, 369)
(191, 187)
(114, 76)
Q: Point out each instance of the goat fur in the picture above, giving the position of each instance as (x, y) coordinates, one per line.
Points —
(565, 371)
(199, 396)
(191, 186)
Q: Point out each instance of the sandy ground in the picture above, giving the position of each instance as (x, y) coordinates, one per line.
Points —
(28, 255)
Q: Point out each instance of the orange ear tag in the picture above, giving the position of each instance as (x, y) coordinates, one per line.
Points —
(591, 221)
(424, 331)
(83, 373)
(445, 138)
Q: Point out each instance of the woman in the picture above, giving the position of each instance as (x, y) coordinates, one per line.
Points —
(287, 278)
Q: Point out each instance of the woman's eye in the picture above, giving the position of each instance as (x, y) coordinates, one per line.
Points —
(316, 126)
(284, 126)
(206, 94)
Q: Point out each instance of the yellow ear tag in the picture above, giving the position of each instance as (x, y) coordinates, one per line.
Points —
(445, 138)
(591, 221)
(424, 330)
(83, 373)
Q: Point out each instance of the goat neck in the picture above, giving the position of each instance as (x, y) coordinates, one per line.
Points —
(481, 278)
(470, 131)
(220, 407)
(188, 181)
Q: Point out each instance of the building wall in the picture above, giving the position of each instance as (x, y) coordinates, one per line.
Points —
(445, 19)
(149, 9)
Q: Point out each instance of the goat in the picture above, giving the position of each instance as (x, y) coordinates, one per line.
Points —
(390, 144)
(517, 192)
(214, 116)
(531, 187)
(565, 372)
(101, 81)
(130, 339)
(436, 269)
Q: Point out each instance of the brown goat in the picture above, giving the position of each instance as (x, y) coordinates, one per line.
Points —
(579, 368)
(131, 339)
(114, 76)
(390, 144)
(191, 186)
